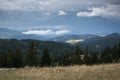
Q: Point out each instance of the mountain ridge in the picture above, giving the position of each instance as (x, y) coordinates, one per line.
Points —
(6, 33)
(95, 42)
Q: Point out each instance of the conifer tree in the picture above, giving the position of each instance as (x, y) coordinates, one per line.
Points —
(87, 59)
(78, 51)
(10, 58)
(105, 55)
(1, 59)
(18, 60)
(94, 58)
(76, 56)
(31, 56)
(46, 59)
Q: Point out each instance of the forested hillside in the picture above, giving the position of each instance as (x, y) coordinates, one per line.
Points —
(54, 47)
(21, 53)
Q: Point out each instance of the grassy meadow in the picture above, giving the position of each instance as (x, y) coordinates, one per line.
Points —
(83, 72)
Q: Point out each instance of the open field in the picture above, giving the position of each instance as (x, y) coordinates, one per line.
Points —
(95, 72)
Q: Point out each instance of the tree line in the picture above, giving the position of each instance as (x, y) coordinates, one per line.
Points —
(15, 58)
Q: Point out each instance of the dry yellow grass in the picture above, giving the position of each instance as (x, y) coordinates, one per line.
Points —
(95, 72)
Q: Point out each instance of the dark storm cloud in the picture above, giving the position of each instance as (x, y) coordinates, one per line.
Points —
(115, 2)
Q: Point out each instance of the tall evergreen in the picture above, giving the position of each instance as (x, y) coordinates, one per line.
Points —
(95, 58)
(10, 58)
(46, 59)
(1, 60)
(105, 55)
(31, 56)
(78, 51)
(75, 58)
(88, 59)
(18, 60)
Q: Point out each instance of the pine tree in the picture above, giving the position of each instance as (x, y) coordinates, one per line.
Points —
(105, 55)
(46, 59)
(76, 57)
(31, 56)
(10, 58)
(78, 51)
(18, 60)
(88, 59)
(94, 58)
(1, 60)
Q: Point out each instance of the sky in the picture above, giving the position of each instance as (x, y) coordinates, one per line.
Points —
(61, 17)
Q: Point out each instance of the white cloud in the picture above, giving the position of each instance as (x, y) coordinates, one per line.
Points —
(48, 27)
(46, 32)
(52, 6)
(47, 14)
(61, 13)
(62, 32)
(57, 27)
(43, 5)
(108, 11)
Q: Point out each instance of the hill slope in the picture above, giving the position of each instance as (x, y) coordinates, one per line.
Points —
(101, 43)
(54, 47)
(72, 37)
(94, 42)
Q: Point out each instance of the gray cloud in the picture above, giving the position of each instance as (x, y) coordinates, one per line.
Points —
(48, 7)
(107, 8)
(113, 1)
(51, 4)
(109, 11)
(44, 5)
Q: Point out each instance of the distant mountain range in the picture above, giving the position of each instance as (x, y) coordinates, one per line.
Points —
(101, 43)
(93, 42)
(8, 33)
(14, 34)
(70, 38)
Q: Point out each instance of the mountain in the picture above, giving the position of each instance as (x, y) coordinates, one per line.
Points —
(101, 43)
(72, 39)
(93, 42)
(55, 48)
(8, 33)
(14, 34)
(30, 36)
